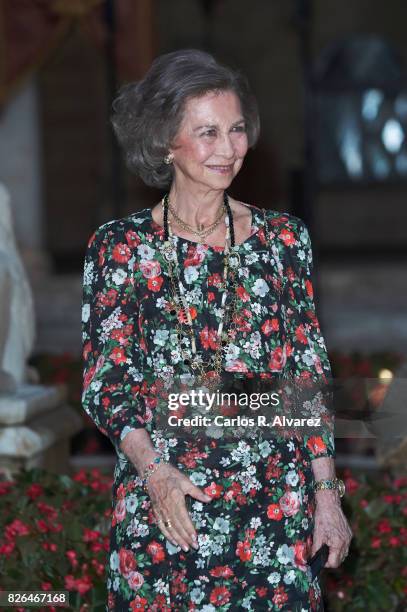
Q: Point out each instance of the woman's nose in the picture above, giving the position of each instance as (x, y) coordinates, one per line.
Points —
(225, 146)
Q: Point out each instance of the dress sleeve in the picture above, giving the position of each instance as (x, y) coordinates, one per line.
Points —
(113, 360)
(307, 358)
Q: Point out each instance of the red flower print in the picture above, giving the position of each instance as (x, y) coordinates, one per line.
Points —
(91, 239)
(213, 490)
(221, 571)
(243, 550)
(118, 356)
(195, 256)
(269, 326)
(150, 268)
(300, 334)
(107, 299)
(127, 562)
(118, 334)
(274, 512)
(86, 350)
(121, 253)
(261, 591)
(156, 551)
(280, 596)
(214, 280)
(120, 510)
(219, 596)
(154, 283)
(273, 470)
(132, 238)
(238, 366)
(234, 489)
(208, 338)
(242, 321)
(242, 294)
(316, 445)
(101, 255)
(138, 604)
(278, 359)
(88, 377)
(300, 550)
(287, 237)
(309, 288)
(290, 274)
(135, 580)
(289, 503)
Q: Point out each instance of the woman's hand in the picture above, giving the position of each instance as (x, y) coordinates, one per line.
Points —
(331, 528)
(167, 488)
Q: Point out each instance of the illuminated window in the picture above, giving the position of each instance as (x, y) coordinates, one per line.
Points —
(361, 105)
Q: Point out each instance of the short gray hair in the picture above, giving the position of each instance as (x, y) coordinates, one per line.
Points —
(147, 114)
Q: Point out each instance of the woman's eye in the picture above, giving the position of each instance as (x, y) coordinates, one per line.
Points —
(209, 133)
(239, 128)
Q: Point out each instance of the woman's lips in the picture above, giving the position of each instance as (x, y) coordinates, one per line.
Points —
(221, 169)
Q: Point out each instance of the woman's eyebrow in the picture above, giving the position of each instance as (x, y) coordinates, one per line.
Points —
(200, 127)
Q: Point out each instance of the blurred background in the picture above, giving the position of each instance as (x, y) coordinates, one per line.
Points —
(331, 81)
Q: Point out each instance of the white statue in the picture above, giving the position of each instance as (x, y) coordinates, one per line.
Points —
(17, 321)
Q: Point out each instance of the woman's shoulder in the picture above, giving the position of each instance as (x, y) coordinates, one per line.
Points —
(283, 220)
(121, 229)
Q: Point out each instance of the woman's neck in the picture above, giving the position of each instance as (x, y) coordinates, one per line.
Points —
(196, 207)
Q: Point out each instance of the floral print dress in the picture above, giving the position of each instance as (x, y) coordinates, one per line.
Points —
(256, 534)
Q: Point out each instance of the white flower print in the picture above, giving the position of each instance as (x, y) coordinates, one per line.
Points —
(88, 272)
(85, 313)
(119, 276)
(274, 578)
(289, 577)
(111, 322)
(292, 478)
(285, 554)
(260, 287)
(221, 525)
(198, 479)
(161, 337)
(145, 252)
(190, 274)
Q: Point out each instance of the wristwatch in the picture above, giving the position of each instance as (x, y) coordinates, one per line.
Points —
(336, 483)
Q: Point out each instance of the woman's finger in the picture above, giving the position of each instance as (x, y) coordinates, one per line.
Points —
(161, 522)
(182, 518)
(170, 526)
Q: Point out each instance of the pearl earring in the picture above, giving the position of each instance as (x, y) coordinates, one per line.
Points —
(168, 159)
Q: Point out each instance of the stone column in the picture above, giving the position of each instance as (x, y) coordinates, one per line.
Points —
(21, 173)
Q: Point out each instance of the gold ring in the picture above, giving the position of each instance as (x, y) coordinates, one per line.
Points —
(167, 524)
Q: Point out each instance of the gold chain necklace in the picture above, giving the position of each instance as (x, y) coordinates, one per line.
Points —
(209, 371)
(200, 232)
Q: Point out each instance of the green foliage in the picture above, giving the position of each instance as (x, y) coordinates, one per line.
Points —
(374, 575)
(55, 535)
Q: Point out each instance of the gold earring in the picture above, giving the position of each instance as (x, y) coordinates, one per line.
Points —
(168, 159)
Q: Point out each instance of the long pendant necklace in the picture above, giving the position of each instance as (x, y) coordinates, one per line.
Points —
(207, 372)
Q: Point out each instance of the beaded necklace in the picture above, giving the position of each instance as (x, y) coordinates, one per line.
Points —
(207, 372)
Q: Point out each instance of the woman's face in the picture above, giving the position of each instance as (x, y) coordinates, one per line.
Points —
(212, 141)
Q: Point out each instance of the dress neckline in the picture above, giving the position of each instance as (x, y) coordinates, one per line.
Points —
(256, 226)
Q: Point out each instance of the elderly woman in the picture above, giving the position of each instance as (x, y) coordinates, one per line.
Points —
(212, 522)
